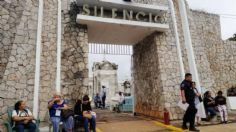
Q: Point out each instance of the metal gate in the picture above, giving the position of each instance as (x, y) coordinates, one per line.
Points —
(111, 49)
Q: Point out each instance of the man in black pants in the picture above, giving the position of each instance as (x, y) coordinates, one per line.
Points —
(188, 96)
(104, 95)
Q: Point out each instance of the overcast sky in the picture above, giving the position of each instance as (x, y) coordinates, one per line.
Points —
(226, 8)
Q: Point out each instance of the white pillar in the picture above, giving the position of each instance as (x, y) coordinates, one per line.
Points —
(37, 60)
(172, 11)
(58, 72)
(189, 48)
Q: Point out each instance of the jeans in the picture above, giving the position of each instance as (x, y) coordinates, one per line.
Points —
(21, 126)
(211, 110)
(97, 104)
(55, 123)
(68, 123)
(104, 101)
(92, 122)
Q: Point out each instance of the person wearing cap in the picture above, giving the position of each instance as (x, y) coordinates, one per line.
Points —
(83, 111)
(55, 106)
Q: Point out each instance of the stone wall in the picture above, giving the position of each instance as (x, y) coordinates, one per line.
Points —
(48, 55)
(215, 61)
(215, 58)
(74, 58)
(156, 76)
(17, 60)
(74, 63)
(18, 37)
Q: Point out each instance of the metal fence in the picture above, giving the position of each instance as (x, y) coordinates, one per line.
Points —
(110, 49)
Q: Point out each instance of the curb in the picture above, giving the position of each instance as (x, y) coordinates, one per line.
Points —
(98, 130)
(170, 127)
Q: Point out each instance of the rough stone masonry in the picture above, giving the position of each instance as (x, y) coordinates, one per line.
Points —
(156, 67)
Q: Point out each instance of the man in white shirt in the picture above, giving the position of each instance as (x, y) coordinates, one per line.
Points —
(23, 117)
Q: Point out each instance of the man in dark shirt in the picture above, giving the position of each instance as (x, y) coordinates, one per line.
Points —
(188, 96)
(220, 102)
(83, 108)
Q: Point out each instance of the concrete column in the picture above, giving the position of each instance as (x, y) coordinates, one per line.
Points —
(189, 47)
(58, 74)
(37, 63)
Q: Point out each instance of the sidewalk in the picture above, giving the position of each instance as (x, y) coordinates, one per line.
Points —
(122, 122)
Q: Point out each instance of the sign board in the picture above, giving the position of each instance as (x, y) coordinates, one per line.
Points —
(232, 103)
(117, 21)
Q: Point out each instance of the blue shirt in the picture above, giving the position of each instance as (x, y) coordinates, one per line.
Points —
(52, 110)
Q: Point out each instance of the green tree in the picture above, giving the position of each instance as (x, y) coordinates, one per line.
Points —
(233, 38)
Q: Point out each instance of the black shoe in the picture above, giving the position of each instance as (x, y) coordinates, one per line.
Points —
(184, 127)
(226, 122)
(194, 129)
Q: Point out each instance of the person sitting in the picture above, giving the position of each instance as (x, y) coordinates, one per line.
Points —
(97, 101)
(55, 106)
(121, 101)
(209, 104)
(83, 111)
(23, 117)
(221, 105)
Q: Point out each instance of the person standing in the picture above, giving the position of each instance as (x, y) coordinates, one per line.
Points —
(198, 99)
(104, 95)
(220, 101)
(188, 96)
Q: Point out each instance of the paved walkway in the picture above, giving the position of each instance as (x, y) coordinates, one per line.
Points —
(108, 121)
(219, 128)
(122, 122)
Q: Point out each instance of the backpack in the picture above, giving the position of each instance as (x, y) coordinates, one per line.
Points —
(17, 112)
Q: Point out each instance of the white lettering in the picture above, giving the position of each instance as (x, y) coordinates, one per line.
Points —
(114, 12)
(86, 10)
(140, 14)
(102, 10)
(95, 11)
(127, 14)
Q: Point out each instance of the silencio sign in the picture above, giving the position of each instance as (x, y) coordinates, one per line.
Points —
(125, 14)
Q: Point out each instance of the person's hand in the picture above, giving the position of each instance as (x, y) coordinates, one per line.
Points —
(27, 118)
(183, 101)
(65, 107)
(26, 121)
(56, 99)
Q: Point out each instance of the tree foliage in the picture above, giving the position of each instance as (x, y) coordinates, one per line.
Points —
(233, 38)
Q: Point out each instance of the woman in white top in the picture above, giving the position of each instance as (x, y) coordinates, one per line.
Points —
(22, 118)
(197, 101)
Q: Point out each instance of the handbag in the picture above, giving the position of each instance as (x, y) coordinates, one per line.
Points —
(67, 113)
(87, 115)
(200, 97)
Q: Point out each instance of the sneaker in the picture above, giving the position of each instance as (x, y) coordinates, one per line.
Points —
(194, 129)
(184, 127)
